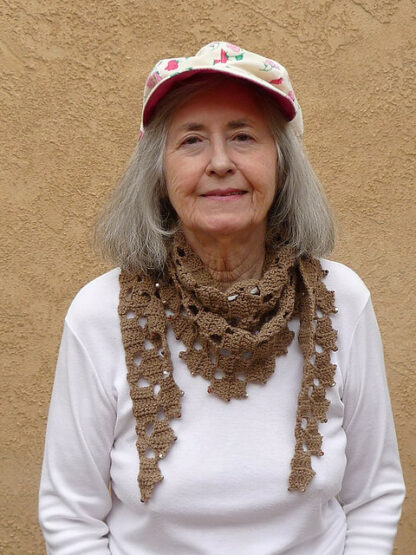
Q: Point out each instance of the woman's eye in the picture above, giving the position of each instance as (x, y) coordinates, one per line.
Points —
(243, 137)
(190, 140)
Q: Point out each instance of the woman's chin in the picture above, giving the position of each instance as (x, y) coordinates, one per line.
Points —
(225, 226)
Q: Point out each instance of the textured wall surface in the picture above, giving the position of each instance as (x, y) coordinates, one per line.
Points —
(72, 73)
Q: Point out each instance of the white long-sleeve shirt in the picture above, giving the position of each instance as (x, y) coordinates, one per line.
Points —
(225, 487)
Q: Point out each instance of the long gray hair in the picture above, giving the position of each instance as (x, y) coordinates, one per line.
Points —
(135, 228)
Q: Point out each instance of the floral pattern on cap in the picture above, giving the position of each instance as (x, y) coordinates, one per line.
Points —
(153, 79)
(226, 57)
(172, 64)
(223, 57)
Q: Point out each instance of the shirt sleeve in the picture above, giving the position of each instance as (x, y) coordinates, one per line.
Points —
(74, 496)
(373, 489)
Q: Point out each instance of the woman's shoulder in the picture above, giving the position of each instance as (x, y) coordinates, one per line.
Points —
(96, 303)
(350, 290)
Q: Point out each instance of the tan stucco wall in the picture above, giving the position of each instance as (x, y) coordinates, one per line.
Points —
(70, 93)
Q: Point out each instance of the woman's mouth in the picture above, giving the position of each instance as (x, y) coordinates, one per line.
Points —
(224, 193)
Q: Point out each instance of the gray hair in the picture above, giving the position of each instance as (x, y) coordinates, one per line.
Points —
(135, 228)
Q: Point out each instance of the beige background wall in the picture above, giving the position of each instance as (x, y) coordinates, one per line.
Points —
(70, 93)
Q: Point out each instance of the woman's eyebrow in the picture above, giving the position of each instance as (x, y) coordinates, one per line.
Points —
(191, 126)
(233, 124)
(238, 123)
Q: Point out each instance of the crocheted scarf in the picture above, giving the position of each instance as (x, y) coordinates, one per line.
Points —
(231, 338)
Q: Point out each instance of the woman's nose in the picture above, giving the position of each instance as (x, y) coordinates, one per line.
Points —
(220, 162)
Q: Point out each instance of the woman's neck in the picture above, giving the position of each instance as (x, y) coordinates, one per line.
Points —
(230, 258)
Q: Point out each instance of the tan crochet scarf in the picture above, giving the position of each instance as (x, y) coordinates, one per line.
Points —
(231, 339)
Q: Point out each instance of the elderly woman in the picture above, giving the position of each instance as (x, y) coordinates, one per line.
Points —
(227, 331)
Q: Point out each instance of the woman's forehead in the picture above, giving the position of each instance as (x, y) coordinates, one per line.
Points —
(233, 100)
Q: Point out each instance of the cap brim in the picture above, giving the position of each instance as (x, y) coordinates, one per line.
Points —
(161, 89)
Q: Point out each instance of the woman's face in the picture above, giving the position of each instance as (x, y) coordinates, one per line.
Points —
(221, 163)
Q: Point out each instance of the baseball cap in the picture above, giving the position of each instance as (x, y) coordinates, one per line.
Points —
(228, 59)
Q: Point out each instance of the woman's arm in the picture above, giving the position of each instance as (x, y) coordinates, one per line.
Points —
(373, 489)
(74, 496)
